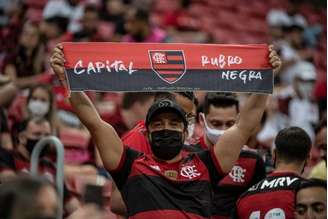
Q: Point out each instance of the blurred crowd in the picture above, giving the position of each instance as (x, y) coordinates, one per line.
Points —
(32, 103)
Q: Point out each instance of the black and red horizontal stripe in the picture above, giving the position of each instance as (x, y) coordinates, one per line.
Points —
(154, 194)
(148, 80)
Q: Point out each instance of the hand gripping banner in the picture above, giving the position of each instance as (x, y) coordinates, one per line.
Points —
(168, 67)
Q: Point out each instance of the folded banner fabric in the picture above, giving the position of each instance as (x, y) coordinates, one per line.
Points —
(168, 67)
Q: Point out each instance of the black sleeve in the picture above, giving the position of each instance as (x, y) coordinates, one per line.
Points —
(212, 164)
(3, 122)
(234, 213)
(260, 172)
(6, 160)
(121, 173)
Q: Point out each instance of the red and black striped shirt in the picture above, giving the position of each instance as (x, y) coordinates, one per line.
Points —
(273, 197)
(154, 189)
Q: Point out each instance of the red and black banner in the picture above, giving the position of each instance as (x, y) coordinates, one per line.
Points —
(168, 67)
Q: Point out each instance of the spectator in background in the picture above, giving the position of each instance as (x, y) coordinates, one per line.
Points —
(70, 9)
(133, 110)
(114, 11)
(27, 198)
(89, 27)
(275, 195)
(140, 29)
(293, 51)
(52, 30)
(311, 200)
(29, 132)
(320, 170)
(277, 20)
(25, 64)
(303, 112)
(220, 113)
(274, 122)
(39, 104)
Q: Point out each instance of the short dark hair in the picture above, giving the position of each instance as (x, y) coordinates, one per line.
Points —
(20, 193)
(22, 126)
(293, 145)
(130, 98)
(47, 88)
(312, 182)
(219, 99)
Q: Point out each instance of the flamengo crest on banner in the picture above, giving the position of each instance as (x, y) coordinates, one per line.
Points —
(169, 65)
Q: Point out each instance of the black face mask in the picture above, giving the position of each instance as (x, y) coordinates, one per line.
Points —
(30, 145)
(166, 144)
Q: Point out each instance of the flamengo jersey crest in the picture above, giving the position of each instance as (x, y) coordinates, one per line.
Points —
(169, 65)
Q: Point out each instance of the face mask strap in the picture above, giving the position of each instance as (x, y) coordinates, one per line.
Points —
(209, 129)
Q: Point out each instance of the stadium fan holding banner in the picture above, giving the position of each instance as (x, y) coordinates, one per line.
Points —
(166, 183)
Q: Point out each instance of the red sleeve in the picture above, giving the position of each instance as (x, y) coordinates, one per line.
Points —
(121, 173)
(136, 139)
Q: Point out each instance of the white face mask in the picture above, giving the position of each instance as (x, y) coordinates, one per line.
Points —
(212, 134)
(191, 128)
(305, 89)
(38, 108)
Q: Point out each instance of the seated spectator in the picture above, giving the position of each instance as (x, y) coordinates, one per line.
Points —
(311, 200)
(70, 9)
(113, 11)
(139, 29)
(29, 132)
(133, 109)
(89, 27)
(25, 64)
(39, 103)
(303, 112)
(28, 197)
(52, 30)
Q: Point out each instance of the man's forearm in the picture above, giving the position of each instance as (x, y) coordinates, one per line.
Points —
(84, 108)
(252, 111)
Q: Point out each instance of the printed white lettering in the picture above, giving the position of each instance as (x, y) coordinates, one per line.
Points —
(290, 181)
(91, 68)
(205, 60)
(78, 65)
(243, 75)
(221, 60)
(280, 182)
(268, 184)
(99, 66)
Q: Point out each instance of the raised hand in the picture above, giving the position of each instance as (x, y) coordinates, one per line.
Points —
(274, 59)
(57, 61)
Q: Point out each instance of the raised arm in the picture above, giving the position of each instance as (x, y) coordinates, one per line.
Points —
(228, 148)
(106, 139)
